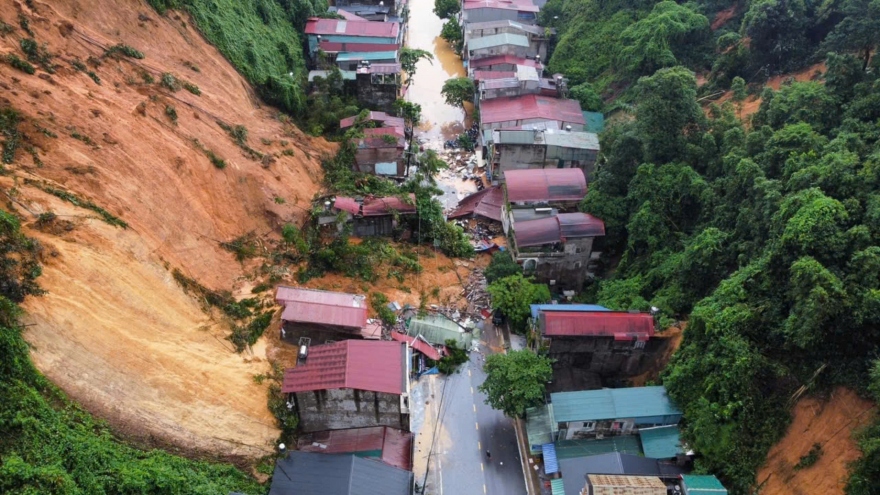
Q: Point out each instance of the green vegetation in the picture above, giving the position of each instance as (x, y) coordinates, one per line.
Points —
(379, 303)
(513, 295)
(243, 247)
(120, 49)
(25, 24)
(51, 445)
(19, 64)
(5, 29)
(215, 160)
(516, 381)
(169, 82)
(409, 57)
(9, 122)
(764, 236)
(81, 67)
(37, 54)
(451, 32)
(239, 135)
(192, 88)
(865, 472)
(446, 9)
(458, 90)
(456, 357)
(501, 266)
(105, 215)
(261, 38)
(810, 458)
(171, 113)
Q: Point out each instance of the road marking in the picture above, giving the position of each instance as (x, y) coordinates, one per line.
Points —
(479, 445)
(472, 390)
(475, 408)
(477, 425)
(484, 488)
(469, 372)
(481, 467)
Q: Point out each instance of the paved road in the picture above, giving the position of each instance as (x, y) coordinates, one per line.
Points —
(470, 428)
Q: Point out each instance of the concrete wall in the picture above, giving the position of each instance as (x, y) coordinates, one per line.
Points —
(319, 334)
(490, 14)
(518, 51)
(537, 44)
(378, 91)
(566, 270)
(346, 3)
(371, 226)
(366, 159)
(338, 409)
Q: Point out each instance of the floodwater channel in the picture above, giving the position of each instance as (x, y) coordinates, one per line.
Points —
(439, 120)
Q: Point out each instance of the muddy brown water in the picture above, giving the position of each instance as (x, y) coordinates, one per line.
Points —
(439, 120)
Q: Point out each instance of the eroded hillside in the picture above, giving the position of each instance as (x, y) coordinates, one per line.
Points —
(114, 330)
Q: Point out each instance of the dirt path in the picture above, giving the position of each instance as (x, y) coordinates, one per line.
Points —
(829, 423)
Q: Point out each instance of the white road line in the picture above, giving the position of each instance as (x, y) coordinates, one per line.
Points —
(475, 408)
(481, 467)
(472, 390)
(479, 445)
(477, 425)
(469, 372)
(484, 488)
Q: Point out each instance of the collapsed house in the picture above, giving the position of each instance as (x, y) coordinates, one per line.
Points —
(367, 216)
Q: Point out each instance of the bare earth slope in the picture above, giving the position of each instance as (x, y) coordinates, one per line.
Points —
(114, 330)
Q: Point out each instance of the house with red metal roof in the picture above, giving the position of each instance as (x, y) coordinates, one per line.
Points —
(485, 204)
(390, 445)
(514, 111)
(351, 384)
(521, 11)
(320, 315)
(368, 216)
(592, 349)
(524, 148)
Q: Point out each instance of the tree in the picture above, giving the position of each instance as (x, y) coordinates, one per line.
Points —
(859, 31)
(587, 96)
(458, 90)
(515, 381)
(513, 295)
(667, 113)
(668, 36)
(409, 57)
(445, 9)
(739, 88)
(776, 30)
(410, 112)
(451, 32)
(501, 266)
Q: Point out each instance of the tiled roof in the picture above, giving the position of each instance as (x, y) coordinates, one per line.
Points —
(392, 446)
(613, 403)
(322, 307)
(486, 203)
(340, 27)
(545, 185)
(605, 484)
(618, 324)
(516, 108)
(418, 344)
(376, 366)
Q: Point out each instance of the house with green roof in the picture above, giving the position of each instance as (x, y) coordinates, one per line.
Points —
(610, 412)
(702, 484)
(437, 329)
(661, 442)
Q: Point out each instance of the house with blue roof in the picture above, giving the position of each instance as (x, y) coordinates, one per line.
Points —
(609, 412)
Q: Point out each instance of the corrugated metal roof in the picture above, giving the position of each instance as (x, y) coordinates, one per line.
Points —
(595, 122)
(695, 484)
(625, 464)
(612, 403)
(621, 325)
(524, 107)
(322, 307)
(557, 487)
(577, 225)
(373, 365)
(526, 73)
(661, 442)
(306, 473)
(545, 184)
(336, 47)
(352, 56)
(392, 446)
(488, 75)
(347, 75)
(511, 82)
(540, 426)
(348, 16)
(538, 308)
(495, 40)
(486, 203)
(382, 117)
(480, 26)
(570, 449)
(418, 344)
(526, 135)
(519, 6)
(437, 329)
(550, 464)
(534, 213)
(316, 25)
(572, 139)
(379, 69)
(504, 59)
(604, 484)
(537, 232)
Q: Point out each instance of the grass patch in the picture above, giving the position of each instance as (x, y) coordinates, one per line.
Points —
(105, 215)
(169, 82)
(119, 50)
(147, 77)
(810, 458)
(25, 25)
(19, 64)
(82, 137)
(171, 113)
(9, 120)
(288, 152)
(243, 247)
(5, 29)
(379, 303)
(215, 160)
(239, 135)
(37, 54)
(192, 88)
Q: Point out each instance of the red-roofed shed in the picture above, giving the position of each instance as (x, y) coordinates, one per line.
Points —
(337, 27)
(390, 445)
(319, 307)
(486, 203)
(500, 113)
(418, 344)
(618, 324)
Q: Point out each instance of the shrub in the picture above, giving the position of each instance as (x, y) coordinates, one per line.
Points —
(192, 88)
(169, 81)
(17, 63)
(171, 112)
(456, 357)
(117, 50)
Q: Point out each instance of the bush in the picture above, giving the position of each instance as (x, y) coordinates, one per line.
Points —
(379, 303)
(120, 49)
(17, 63)
(501, 266)
(456, 357)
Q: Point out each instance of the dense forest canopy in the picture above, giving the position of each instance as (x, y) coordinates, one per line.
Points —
(765, 236)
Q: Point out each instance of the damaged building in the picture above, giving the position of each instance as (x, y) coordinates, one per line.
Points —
(321, 315)
(367, 216)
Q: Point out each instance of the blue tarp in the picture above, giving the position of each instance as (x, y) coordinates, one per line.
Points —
(551, 465)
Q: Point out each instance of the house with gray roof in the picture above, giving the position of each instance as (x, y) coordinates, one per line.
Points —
(306, 473)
